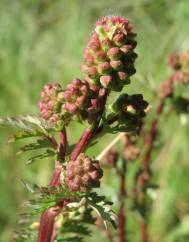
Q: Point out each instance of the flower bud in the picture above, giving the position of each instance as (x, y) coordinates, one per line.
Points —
(107, 44)
(117, 64)
(126, 48)
(105, 80)
(100, 56)
(104, 68)
(114, 53)
(123, 76)
(119, 39)
(92, 72)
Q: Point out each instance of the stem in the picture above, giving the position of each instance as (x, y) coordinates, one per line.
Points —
(108, 235)
(55, 180)
(152, 137)
(83, 142)
(154, 127)
(47, 222)
(109, 147)
(105, 232)
(47, 226)
(121, 213)
(110, 121)
(88, 133)
(144, 176)
(143, 232)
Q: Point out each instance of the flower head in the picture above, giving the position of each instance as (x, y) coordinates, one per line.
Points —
(130, 109)
(131, 151)
(111, 157)
(180, 64)
(49, 104)
(83, 174)
(109, 56)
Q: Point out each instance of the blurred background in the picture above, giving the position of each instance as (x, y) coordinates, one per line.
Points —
(42, 41)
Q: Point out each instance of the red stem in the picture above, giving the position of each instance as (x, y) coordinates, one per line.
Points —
(145, 175)
(154, 126)
(122, 196)
(152, 137)
(55, 180)
(46, 226)
(143, 232)
(83, 142)
(108, 235)
(88, 133)
(121, 214)
(47, 221)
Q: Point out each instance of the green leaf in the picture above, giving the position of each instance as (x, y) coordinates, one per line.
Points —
(47, 153)
(26, 123)
(102, 208)
(76, 218)
(117, 127)
(30, 187)
(76, 223)
(28, 126)
(39, 144)
(23, 134)
(75, 227)
(69, 239)
(46, 197)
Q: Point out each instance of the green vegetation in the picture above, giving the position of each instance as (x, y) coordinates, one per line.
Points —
(42, 41)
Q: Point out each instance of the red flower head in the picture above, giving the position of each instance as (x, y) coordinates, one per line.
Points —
(50, 104)
(83, 174)
(109, 56)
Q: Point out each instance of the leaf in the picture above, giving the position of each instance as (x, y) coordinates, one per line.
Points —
(39, 144)
(27, 228)
(22, 135)
(116, 126)
(76, 223)
(30, 187)
(76, 227)
(48, 153)
(69, 239)
(30, 125)
(87, 216)
(77, 217)
(46, 197)
(102, 208)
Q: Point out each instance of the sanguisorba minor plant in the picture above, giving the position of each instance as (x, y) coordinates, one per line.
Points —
(66, 204)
